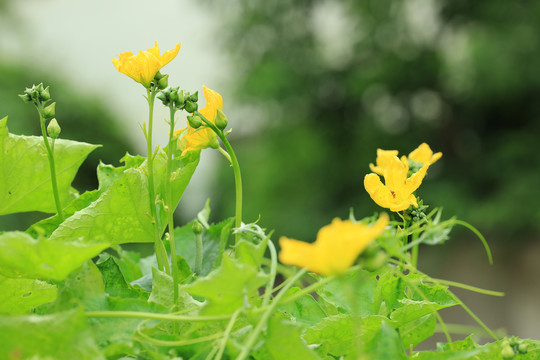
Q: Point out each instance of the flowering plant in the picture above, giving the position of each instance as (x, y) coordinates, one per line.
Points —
(70, 290)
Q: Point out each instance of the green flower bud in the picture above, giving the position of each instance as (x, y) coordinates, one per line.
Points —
(164, 97)
(221, 120)
(507, 353)
(49, 111)
(523, 348)
(26, 97)
(44, 95)
(191, 106)
(174, 95)
(197, 227)
(194, 121)
(194, 97)
(53, 129)
(158, 76)
(163, 82)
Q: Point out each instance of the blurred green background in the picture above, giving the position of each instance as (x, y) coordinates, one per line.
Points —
(313, 88)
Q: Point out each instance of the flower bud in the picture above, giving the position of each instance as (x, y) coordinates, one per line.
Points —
(523, 348)
(44, 95)
(191, 106)
(507, 352)
(53, 129)
(194, 97)
(194, 121)
(26, 97)
(221, 120)
(197, 227)
(158, 76)
(164, 97)
(163, 82)
(49, 111)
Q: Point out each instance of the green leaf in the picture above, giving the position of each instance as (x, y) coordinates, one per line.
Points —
(108, 174)
(352, 292)
(283, 341)
(204, 215)
(416, 331)
(411, 310)
(162, 292)
(335, 333)
(381, 342)
(251, 253)
(25, 178)
(57, 336)
(303, 310)
(19, 296)
(115, 283)
(226, 287)
(212, 238)
(22, 255)
(120, 215)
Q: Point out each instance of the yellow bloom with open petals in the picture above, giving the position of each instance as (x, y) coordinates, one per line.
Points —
(144, 66)
(384, 159)
(336, 248)
(423, 154)
(203, 137)
(397, 191)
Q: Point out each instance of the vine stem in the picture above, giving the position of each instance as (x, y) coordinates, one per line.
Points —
(264, 319)
(161, 253)
(50, 155)
(236, 170)
(273, 271)
(170, 205)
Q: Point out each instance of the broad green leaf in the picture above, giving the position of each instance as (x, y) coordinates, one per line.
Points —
(115, 283)
(162, 292)
(108, 174)
(283, 341)
(46, 227)
(226, 287)
(303, 310)
(251, 253)
(352, 293)
(22, 255)
(411, 310)
(381, 342)
(335, 333)
(212, 238)
(19, 296)
(416, 331)
(25, 178)
(204, 215)
(62, 335)
(120, 215)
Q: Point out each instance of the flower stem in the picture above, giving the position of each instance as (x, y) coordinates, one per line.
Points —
(50, 155)
(236, 169)
(198, 253)
(170, 205)
(161, 253)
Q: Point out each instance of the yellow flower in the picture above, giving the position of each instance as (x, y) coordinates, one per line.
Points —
(396, 193)
(336, 248)
(384, 158)
(143, 67)
(203, 137)
(423, 154)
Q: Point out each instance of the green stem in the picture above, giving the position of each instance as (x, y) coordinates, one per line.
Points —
(236, 170)
(273, 271)
(50, 155)
(414, 252)
(226, 335)
(161, 253)
(254, 336)
(198, 253)
(154, 316)
(170, 205)
(480, 236)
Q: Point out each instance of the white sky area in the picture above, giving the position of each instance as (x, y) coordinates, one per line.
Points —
(78, 39)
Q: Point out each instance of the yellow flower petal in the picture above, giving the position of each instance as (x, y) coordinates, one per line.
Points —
(423, 154)
(143, 67)
(383, 160)
(203, 137)
(336, 248)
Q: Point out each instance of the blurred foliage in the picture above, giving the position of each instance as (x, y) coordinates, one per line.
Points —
(336, 79)
(81, 118)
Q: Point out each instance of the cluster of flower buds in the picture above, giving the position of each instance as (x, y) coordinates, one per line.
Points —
(511, 347)
(40, 96)
(179, 99)
(418, 213)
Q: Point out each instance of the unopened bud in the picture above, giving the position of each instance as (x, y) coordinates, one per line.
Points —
(194, 121)
(191, 106)
(197, 227)
(53, 129)
(158, 76)
(221, 120)
(163, 82)
(44, 95)
(49, 111)
(25, 97)
(164, 97)
(523, 348)
(194, 97)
